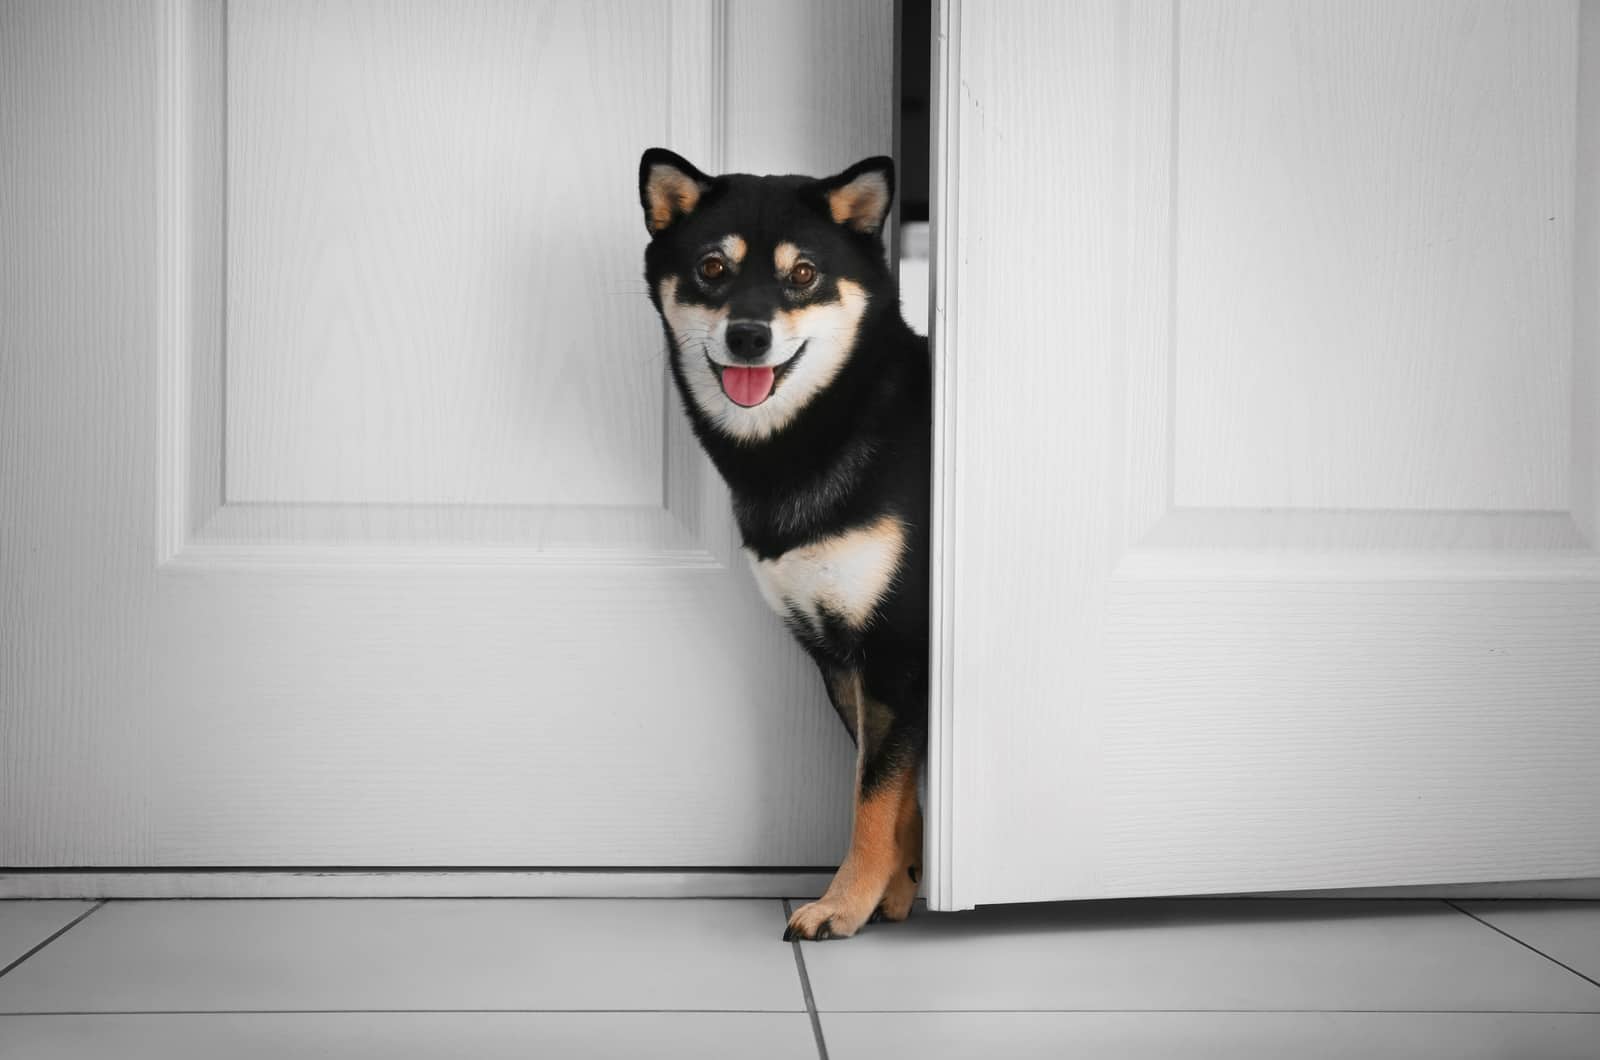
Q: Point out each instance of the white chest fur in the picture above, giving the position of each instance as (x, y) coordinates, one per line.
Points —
(845, 575)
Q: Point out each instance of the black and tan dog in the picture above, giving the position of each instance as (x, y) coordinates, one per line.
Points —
(811, 396)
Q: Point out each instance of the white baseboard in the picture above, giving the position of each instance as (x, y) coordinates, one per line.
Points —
(401, 884)
(466, 883)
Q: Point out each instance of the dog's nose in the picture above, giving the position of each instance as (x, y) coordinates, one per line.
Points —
(749, 340)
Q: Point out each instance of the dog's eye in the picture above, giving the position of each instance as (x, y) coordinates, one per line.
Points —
(713, 269)
(802, 274)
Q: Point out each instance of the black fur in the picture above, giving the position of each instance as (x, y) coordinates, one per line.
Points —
(859, 450)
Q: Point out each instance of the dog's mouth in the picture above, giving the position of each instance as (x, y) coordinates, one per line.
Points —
(749, 387)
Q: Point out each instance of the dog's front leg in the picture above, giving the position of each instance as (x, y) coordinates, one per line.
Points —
(880, 871)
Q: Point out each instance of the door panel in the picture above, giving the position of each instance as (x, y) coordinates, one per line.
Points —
(1373, 212)
(1276, 569)
(426, 299)
(349, 517)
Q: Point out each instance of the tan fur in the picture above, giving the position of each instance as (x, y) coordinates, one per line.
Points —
(861, 203)
(733, 247)
(828, 332)
(669, 192)
(845, 686)
(873, 720)
(881, 855)
(883, 867)
(687, 321)
(867, 719)
(784, 257)
(845, 575)
(844, 690)
(901, 892)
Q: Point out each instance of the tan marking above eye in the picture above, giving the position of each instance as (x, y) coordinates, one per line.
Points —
(734, 248)
(784, 257)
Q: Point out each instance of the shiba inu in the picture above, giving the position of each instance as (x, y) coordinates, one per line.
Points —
(812, 397)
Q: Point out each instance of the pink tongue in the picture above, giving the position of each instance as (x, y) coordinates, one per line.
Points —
(747, 386)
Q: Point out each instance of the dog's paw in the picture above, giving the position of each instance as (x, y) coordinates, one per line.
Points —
(825, 919)
(900, 894)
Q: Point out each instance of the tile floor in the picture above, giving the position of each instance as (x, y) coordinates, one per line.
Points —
(490, 978)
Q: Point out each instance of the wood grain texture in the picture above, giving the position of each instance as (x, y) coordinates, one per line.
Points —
(426, 303)
(191, 683)
(816, 101)
(1140, 698)
(1373, 241)
(1586, 278)
(77, 444)
(199, 529)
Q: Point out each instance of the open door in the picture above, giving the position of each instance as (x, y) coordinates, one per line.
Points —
(1267, 421)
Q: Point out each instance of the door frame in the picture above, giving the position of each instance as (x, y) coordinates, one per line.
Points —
(944, 189)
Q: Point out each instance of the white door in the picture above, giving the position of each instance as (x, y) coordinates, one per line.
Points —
(1269, 439)
(348, 517)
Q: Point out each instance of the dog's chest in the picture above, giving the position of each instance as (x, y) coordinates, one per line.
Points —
(843, 576)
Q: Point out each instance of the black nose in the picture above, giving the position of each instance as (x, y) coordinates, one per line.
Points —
(749, 340)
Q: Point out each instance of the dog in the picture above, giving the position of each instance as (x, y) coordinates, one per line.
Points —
(812, 396)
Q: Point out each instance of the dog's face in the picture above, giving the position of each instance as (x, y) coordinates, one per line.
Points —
(762, 282)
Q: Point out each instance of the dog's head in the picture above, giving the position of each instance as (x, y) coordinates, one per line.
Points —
(763, 282)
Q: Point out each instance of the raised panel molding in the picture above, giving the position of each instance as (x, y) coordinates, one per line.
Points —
(1162, 534)
(690, 528)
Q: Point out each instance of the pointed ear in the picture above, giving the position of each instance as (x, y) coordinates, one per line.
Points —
(860, 197)
(669, 187)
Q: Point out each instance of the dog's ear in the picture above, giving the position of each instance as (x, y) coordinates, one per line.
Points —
(860, 197)
(669, 187)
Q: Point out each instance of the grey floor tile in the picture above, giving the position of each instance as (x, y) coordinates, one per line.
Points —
(1210, 1035)
(410, 1036)
(1192, 954)
(24, 924)
(413, 954)
(1567, 931)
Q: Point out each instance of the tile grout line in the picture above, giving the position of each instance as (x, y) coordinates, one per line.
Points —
(790, 1012)
(403, 1012)
(805, 989)
(1519, 942)
(74, 922)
